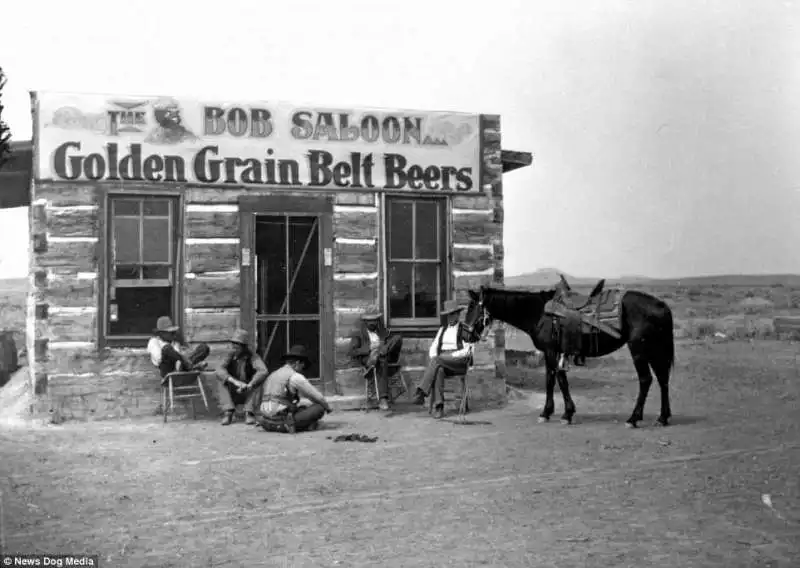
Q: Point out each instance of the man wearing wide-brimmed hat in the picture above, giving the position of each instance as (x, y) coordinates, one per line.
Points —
(373, 347)
(169, 352)
(240, 377)
(449, 355)
(284, 387)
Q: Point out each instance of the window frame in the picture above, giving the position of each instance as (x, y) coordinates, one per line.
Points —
(419, 327)
(106, 264)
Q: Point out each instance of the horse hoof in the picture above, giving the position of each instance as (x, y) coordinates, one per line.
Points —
(661, 423)
(543, 419)
(630, 425)
(566, 421)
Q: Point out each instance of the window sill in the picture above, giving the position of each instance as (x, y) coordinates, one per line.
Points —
(409, 330)
(125, 342)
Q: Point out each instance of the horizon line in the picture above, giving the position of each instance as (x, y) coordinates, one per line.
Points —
(640, 276)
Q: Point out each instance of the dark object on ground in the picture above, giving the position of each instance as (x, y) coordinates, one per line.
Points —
(354, 438)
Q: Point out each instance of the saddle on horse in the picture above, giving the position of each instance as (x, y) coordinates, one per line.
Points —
(576, 314)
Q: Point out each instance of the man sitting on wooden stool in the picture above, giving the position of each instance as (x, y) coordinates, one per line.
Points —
(240, 378)
(279, 412)
(449, 355)
(169, 352)
(372, 346)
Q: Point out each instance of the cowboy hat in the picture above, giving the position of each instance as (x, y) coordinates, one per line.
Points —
(164, 324)
(451, 307)
(371, 314)
(241, 337)
(297, 352)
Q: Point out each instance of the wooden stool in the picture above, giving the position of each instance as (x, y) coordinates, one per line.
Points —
(187, 385)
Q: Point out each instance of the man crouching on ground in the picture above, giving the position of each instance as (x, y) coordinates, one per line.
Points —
(240, 378)
(285, 386)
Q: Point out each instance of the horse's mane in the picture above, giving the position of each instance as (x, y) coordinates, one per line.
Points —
(509, 294)
(516, 307)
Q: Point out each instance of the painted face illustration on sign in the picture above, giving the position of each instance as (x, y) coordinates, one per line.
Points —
(170, 129)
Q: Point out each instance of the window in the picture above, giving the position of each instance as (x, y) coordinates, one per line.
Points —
(141, 267)
(416, 253)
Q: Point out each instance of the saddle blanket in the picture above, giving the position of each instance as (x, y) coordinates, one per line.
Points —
(600, 313)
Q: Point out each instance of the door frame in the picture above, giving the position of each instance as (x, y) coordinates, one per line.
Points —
(312, 205)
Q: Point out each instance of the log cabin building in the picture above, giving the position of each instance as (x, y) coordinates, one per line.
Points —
(288, 221)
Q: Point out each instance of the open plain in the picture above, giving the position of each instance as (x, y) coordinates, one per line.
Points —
(500, 490)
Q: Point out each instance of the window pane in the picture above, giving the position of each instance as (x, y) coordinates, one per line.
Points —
(126, 272)
(400, 238)
(400, 290)
(156, 240)
(139, 308)
(126, 207)
(126, 241)
(427, 225)
(426, 290)
(156, 207)
(158, 272)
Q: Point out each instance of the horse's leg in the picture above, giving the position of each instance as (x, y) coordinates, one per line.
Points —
(642, 365)
(550, 363)
(569, 405)
(662, 369)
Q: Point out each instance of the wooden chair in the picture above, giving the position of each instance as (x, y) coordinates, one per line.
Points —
(396, 374)
(181, 386)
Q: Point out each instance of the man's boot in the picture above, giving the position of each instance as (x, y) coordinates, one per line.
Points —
(227, 418)
(419, 397)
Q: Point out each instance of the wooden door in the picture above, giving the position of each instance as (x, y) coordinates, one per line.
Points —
(287, 280)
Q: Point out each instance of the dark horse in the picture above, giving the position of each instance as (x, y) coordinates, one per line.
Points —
(646, 325)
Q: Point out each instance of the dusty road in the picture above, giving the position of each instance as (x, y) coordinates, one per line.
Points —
(503, 491)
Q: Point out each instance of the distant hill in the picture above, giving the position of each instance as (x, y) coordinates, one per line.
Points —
(549, 277)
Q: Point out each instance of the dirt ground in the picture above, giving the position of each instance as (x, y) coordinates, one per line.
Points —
(501, 491)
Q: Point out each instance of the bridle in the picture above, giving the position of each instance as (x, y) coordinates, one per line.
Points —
(482, 322)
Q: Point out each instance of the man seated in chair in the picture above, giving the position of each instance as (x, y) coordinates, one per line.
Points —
(284, 387)
(169, 352)
(373, 347)
(449, 355)
(240, 377)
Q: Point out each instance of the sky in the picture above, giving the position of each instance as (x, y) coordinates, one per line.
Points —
(664, 134)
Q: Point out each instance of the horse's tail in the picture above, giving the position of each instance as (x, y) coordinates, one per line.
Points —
(669, 339)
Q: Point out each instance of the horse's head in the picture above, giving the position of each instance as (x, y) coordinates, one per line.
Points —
(478, 317)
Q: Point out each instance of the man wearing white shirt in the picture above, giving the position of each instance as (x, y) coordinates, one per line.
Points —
(169, 353)
(449, 355)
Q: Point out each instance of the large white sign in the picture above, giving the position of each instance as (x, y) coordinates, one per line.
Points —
(164, 139)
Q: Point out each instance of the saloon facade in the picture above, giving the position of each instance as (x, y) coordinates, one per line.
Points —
(287, 221)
